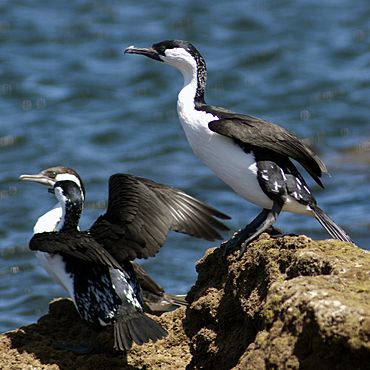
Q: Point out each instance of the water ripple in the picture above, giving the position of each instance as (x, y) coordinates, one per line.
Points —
(69, 96)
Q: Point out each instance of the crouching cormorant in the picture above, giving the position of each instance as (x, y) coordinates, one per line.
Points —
(95, 266)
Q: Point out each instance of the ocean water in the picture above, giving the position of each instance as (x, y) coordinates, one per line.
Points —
(69, 96)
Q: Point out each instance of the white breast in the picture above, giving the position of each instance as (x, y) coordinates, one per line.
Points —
(55, 267)
(53, 263)
(48, 222)
(225, 158)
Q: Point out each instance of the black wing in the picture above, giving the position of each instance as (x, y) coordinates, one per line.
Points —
(141, 212)
(255, 132)
(189, 215)
(76, 244)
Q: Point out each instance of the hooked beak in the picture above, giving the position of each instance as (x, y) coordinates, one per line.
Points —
(40, 178)
(148, 52)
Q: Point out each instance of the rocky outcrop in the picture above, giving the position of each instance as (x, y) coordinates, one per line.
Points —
(287, 303)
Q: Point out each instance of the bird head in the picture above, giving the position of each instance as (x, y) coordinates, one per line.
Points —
(177, 53)
(52, 175)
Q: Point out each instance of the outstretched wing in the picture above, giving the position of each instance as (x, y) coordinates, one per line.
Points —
(255, 132)
(141, 212)
(188, 214)
(76, 244)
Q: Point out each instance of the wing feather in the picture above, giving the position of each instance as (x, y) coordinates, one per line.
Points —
(141, 212)
(255, 132)
(76, 244)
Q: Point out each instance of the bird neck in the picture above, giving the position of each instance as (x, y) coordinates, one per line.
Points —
(195, 78)
(71, 214)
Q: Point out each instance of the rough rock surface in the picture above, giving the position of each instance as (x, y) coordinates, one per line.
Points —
(287, 303)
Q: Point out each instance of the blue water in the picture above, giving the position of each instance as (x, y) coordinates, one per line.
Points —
(69, 96)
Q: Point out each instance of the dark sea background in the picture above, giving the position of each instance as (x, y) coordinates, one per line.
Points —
(69, 96)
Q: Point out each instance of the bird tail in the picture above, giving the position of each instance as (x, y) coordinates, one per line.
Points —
(135, 327)
(156, 305)
(330, 226)
(177, 300)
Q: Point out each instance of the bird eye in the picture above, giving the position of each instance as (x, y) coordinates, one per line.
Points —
(162, 50)
(51, 174)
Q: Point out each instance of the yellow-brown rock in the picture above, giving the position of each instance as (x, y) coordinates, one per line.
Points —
(287, 303)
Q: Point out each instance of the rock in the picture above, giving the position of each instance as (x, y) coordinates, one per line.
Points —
(287, 303)
(35, 346)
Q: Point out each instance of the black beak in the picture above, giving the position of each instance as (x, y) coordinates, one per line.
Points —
(148, 52)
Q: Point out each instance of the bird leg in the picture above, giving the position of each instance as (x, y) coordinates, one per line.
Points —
(261, 223)
(243, 234)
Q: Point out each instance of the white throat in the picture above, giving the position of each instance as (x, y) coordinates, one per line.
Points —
(193, 121)
(49, 221)
(187, 94)
(186, 64)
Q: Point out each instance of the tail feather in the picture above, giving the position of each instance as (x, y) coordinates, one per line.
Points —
(156, 304)
(176, 299)
(122, 340)
(330, 226)
(138, 328)
(137, 332)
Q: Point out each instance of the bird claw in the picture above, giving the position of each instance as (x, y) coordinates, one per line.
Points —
(228, 246)
(244, 236)
(241, 238)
